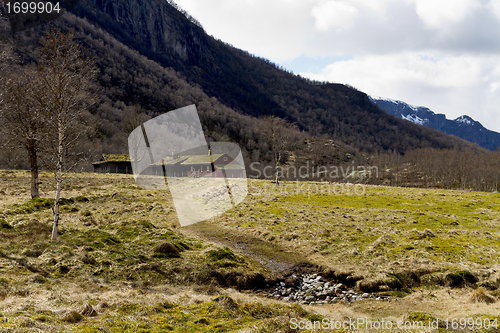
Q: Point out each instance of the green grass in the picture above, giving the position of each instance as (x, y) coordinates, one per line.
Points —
(367, 233)
(211, 316)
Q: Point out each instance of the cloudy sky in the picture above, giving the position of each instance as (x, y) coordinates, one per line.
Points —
(442, 54)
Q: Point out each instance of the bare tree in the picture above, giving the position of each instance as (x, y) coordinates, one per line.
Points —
(133, 119)
(279, 134)
(24, 120)
(66, 76)
(21, 114)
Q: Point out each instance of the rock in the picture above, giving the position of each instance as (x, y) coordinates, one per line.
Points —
(226, 301)
(292, 280)
(312, 289)
(166, 248)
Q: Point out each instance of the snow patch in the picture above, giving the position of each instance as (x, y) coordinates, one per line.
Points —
(378, 98)
(415, 119)
(465, 120)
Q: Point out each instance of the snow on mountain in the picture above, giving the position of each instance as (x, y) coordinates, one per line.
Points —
(465, 120)
(464, 126)
(415, 119)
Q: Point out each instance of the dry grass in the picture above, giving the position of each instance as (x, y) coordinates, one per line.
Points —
(481, 295)
(110, 260)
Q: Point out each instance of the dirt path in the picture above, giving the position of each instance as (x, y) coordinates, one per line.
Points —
(279, 261)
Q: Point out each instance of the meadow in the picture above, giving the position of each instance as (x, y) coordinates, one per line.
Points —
(123, 263)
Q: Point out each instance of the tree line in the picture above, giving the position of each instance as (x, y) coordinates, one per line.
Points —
(129, 85)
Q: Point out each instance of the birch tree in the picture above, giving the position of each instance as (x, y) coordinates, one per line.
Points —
(66, 76)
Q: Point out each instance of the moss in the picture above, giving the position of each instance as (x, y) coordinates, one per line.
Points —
(257, 310)
(460, 279)
(43, 318)
(93, 237)
(221, 254)
(314, 317)
(81, 198)
(4, 225)
(33, 205)
(69, 209)
(403, 281)
(420, 317)
(72, 317)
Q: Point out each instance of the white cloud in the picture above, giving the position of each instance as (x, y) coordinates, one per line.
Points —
(273, 29)
(440, 13)
(333, 14)
(495, 7)
(378, 7)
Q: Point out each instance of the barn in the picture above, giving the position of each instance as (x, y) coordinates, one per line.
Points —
(113, 163)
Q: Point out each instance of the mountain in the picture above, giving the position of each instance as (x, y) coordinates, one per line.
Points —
(464, 126)
(153, 58)
(251, 85)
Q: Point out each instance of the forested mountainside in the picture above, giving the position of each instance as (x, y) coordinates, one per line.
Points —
(464, 126)
(251, 85)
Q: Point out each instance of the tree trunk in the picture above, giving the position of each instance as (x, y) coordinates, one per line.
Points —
(34, 171)
(56, 205)
(59, 179)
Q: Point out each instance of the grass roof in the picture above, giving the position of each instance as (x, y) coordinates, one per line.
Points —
(172, 161)
(116, 157)
(229, 166)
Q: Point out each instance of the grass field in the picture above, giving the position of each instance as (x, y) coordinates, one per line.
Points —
(435, 251)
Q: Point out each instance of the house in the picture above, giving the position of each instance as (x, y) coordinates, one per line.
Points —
(113, 163)
(217, 165)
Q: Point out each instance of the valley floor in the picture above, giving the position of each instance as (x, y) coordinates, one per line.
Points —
(113, 269)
